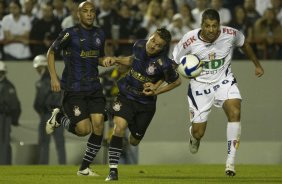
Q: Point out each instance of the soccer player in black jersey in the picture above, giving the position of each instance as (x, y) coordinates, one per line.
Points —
(135, 105)
(84, 102)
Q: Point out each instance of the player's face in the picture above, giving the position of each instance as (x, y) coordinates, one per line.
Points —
(155, 45)
(210, 30)
(86, 14)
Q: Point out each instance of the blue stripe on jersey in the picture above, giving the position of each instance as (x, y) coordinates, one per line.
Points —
(81, 50)
(192, 97)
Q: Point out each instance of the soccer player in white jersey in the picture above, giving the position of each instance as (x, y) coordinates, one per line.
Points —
(216, 85)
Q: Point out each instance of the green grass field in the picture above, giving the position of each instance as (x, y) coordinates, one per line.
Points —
(145, 174)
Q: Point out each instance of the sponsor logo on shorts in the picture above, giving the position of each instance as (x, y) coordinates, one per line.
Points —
(116, 106)
(76, 111)
(214, 88)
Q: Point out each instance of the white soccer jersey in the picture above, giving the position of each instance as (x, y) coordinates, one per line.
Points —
(216, 56)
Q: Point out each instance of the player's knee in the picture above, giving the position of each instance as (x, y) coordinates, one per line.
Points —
(198, 134)
(234, 115)
(134, 142)
(120, 128)
(82, 130)
(98, 127)
(119, 131)
(82, 133)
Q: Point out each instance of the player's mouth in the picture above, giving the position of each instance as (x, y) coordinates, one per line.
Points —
(211, 35)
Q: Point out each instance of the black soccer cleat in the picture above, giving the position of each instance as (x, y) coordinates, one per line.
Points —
(230, 173)
(113, 175)
(230, 170)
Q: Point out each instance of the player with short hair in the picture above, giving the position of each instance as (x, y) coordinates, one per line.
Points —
(216, 85)
(83, 101)
(135, 105)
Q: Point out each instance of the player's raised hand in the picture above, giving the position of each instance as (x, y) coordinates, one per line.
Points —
(259, 71)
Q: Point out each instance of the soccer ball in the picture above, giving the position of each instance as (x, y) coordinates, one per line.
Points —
(190, 66)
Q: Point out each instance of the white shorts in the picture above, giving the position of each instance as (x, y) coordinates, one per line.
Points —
(201, 97)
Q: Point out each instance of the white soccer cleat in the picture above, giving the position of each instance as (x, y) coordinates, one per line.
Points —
(194, 144)
(51, 124)
(230, 170)
(87, 172)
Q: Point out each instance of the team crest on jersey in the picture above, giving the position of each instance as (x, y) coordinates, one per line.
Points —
(151, 69)
(76, 111)
(116, 106)
(98, 42)
(212, 56)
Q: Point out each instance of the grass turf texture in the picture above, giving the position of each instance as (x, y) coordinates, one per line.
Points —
(145, 174)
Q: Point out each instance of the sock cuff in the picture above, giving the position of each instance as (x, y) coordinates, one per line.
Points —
(116, 141)
(96, 139)
(233, 130)
(114, 166)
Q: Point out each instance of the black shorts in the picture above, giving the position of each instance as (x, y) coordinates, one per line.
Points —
(79, 105)
(137, 115)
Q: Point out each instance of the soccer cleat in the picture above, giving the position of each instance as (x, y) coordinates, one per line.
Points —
(87, 172)
(194, 144)
(230, 170)
(51, 124)
(112, 176)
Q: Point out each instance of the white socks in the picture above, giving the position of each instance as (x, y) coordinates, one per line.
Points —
(233, 138)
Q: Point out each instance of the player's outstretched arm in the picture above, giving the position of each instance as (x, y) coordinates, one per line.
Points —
(110, 61)
(55, 83)
(247, 49)
(127, 60)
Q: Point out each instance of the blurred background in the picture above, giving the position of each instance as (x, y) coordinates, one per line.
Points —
(28, 27)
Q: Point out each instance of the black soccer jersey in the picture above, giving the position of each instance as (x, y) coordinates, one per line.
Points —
(145, 69)
(81, 50)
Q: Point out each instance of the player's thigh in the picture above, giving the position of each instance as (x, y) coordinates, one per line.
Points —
(142, 119)
(75, 107)
(96, 103)
(123, 108)
(200, 100)
(123, 112)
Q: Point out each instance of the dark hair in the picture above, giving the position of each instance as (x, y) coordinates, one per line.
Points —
(165, 35)
(17, 2)
(211, 14)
